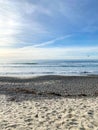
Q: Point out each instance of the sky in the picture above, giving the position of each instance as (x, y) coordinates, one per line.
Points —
(44, 29)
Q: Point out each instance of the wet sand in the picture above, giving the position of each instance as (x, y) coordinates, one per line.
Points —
(49, 103)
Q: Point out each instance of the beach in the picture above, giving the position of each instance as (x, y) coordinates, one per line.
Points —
(49, 103)
(48, 65)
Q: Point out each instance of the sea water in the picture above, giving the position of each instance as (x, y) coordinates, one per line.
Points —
(49, 67)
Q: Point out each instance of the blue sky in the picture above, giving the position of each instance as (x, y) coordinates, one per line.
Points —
(44, 29)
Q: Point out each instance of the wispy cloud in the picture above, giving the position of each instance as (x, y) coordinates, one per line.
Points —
(50, 41)
(36, 8)
(16, 26)
(9, 24)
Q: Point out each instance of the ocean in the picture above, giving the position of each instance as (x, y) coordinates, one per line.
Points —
(49, 67)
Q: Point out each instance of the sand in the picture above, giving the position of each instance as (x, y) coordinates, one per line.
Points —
(49, 103)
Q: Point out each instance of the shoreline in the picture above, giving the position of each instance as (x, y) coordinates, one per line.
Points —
(39, 76)
(45, 76)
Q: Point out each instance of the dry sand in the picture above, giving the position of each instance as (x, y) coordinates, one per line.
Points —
(49, 103)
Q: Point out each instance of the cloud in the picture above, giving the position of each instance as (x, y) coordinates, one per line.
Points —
(16, 26)
(9, 24)
(36, 8)
(50, 41)
(33, 53)
(26, 25)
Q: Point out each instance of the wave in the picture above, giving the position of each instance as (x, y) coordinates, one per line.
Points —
(37, 66)
(48, 68)
(25, 63)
